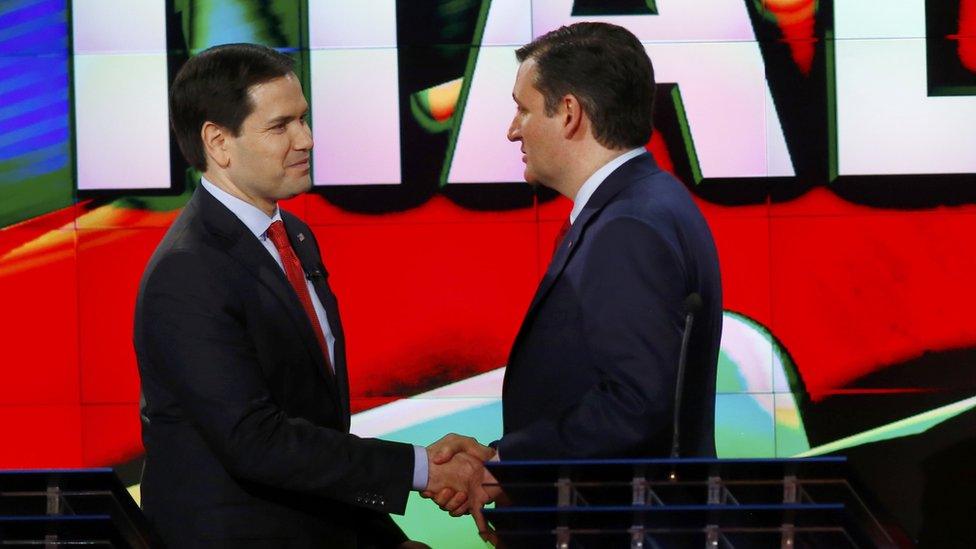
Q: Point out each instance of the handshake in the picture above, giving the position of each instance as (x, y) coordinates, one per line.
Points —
(459, 482)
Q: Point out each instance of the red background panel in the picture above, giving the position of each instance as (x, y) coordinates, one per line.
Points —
(743, 252)
(110, 433)
(437, 209)
(39, 321)
(423, 304)
(37, 437)
(110, 265)
(852, 294)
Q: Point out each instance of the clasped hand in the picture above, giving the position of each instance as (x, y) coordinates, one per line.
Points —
(459, 482)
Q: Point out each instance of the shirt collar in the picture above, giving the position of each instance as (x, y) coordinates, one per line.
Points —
(256, 220)
(590, 185)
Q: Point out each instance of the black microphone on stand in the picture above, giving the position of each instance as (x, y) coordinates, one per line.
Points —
(692, 304)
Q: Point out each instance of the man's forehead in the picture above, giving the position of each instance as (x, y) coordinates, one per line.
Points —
(272, 85)
(526, 70)
(278, 96)
(524, 79)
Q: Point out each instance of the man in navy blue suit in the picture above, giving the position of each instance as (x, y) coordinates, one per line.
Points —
(592, 371)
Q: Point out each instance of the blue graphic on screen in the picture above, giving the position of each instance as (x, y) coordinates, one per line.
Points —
(34, 109)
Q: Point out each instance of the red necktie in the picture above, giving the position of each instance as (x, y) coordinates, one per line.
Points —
(296, 276)
(563, 229)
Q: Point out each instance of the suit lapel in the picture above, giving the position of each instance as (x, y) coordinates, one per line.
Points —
(250, 253)
(331, 305)
(618, 180)
(311, 261)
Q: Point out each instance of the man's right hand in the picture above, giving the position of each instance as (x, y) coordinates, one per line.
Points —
(460, 476)
(450, 498)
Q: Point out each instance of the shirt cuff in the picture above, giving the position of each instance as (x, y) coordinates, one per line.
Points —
(420, 468)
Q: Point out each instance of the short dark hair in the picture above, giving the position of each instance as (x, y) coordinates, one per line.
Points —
(213, 86)
(607, 69)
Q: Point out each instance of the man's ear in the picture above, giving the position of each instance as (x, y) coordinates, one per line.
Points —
(215, 143)
(572, 113)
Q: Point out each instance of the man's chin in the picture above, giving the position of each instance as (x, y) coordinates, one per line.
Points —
(294, 189)
(303, 185)
(534, 181)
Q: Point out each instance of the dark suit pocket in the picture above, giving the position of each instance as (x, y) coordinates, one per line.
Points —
(244, 522)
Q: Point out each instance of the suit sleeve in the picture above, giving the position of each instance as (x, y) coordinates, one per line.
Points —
(196, 344)
(631, 295)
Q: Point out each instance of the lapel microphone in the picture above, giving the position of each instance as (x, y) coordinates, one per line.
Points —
(692, 304)
(300, 252)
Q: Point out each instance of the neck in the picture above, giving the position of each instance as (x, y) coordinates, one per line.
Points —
(583, 164)
(221, 180)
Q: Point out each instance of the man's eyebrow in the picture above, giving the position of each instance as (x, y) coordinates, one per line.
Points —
(279, 120)
(515, 98)
(284, 118)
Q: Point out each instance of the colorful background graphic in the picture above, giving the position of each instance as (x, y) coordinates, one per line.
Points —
(829, 144)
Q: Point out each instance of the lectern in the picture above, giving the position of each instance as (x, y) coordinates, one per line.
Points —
(703, 503)
(69, 508)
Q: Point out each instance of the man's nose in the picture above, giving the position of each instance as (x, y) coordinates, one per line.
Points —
(303, 141)
(513, 133)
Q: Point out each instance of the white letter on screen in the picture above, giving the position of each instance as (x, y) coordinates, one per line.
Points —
(886, 122)
(120, 94)
(355, 92)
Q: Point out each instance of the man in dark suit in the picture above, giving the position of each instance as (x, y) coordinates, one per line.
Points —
(592, 371)
(240, 346)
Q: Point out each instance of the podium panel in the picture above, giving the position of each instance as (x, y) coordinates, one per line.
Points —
(83, 507)
(711, 503)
